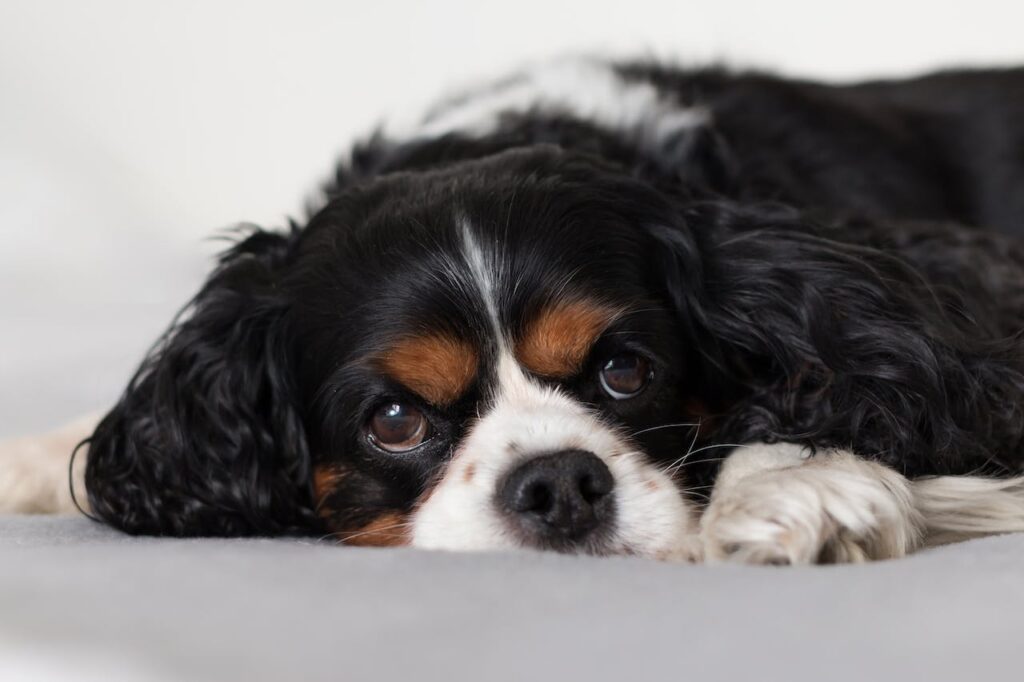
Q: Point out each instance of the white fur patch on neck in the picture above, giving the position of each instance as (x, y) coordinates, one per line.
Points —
(589, 90)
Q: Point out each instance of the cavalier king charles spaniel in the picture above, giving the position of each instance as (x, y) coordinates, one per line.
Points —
(612, 308)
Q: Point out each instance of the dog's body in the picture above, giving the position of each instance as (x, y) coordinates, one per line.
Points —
(544, 314)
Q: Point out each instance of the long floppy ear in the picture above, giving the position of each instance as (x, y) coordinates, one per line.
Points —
(827, 334)
(207, 438)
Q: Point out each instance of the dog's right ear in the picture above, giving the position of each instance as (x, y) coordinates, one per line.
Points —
(207, 438)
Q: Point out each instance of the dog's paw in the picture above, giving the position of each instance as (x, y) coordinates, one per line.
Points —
(833, 508)
(34, 470)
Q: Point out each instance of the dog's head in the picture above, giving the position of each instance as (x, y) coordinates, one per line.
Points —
(492, 355)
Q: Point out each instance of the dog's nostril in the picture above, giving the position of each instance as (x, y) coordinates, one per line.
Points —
(536, 497)
(593, 488)
(559, 497)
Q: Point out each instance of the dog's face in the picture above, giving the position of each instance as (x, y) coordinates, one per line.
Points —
(491, 355)
(486, 358)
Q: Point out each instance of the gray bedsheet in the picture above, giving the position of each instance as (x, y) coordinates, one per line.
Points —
(81, 601)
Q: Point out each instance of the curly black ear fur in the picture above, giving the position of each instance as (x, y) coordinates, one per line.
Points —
(855, 335)
(207, 438)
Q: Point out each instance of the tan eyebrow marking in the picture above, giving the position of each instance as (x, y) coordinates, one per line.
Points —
(438, 367)
(557, 341)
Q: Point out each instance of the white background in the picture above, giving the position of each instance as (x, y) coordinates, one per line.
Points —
(130, 130)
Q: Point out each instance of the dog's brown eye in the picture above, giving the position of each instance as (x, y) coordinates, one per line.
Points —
(397, 427)
(624, 376)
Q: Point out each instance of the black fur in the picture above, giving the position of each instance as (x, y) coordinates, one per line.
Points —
(207, 437)
(817, 265)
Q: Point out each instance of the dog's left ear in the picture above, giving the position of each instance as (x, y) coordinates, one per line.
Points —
(819, 336)
(207, 438)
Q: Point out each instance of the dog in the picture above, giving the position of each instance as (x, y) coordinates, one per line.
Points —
(612, 308)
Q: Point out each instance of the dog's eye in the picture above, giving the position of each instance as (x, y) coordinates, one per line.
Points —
(624, 376)
(398, 427)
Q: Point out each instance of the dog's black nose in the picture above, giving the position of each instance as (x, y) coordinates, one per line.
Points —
(559, 498)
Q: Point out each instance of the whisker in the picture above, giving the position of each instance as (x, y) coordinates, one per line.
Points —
(682, 460)
(340, 536)
(720, 445)
(666, 426)
(689, 450)
(693, 442)
(374, 531)
(711, 446)
(674, 468)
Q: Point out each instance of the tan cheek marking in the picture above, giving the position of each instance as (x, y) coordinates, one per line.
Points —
(326, 478)
(391, 529)
(467, 475)
(387, 530)
(558, 340)
(438, 367)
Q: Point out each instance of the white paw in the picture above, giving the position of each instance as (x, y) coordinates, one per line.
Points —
(832, 508)
(34, 471)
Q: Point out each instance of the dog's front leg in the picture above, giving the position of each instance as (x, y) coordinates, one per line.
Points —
(776, 504)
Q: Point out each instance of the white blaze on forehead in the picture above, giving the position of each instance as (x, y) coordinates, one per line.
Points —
(590, 90)
(485, 274)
